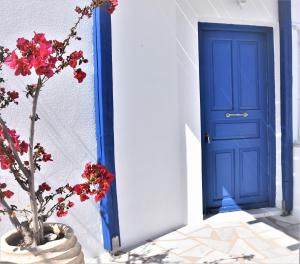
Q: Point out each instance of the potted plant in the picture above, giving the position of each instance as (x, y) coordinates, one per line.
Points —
(34, 240)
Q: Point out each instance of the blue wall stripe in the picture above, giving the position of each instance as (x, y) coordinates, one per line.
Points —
(285, 24)
(103, 84)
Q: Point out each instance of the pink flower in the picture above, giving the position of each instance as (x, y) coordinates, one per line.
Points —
(21, 66)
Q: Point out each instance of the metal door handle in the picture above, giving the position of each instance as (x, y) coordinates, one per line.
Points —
(207, 138)
(228, 115)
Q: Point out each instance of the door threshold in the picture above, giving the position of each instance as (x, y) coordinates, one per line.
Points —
(265, 212)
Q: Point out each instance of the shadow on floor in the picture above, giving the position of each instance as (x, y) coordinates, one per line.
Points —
(283, 224)
(236, 259)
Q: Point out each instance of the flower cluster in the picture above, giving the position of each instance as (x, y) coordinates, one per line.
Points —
(6, 155)
(35, 53)
(63, 206)
(40, 155)
(44, 56)
(7, 97)
(44, 187)
(110, 5)
(97, 183)
(98, 179)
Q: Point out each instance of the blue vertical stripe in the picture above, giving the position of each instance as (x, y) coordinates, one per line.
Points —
(103, 84)
(285, 23)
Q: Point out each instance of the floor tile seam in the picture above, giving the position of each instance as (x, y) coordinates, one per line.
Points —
(273, 240)
(200, 244)
(198, 229)
(179, 254)
(261, 251)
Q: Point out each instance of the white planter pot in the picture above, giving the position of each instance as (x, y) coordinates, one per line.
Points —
(66, 250)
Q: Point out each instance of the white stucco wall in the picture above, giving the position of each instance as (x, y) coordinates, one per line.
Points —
(157, 108)
(67, 126)
(296, 103)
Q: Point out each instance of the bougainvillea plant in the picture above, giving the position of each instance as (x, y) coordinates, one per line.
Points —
(43, 59)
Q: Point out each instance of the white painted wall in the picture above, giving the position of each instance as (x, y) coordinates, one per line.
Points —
(157, 108)
(67, 126)
(296, 103)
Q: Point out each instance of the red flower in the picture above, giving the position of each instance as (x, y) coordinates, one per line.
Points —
(61, 213)
(45, 70)
(78, 188)
(60, 200)
(23, 147)
(83, 197)
(76, 55)
(5, 162)
(79, 75)
(23, 44)
(44, 187)
(112, 6)
(8, 194)
(70, 204)
(99, 196)
(73, 63)
(39, 37)
(21, 66)
(13, 95)
(47, 157)
(12, 60)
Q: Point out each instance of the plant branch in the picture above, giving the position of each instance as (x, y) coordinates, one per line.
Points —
(15, 171)
(52, 209)
(37, 236)
(12, 146)
(12, 217)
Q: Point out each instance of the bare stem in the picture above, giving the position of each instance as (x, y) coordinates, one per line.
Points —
(37, 234)
(12, 217)
(23, 227)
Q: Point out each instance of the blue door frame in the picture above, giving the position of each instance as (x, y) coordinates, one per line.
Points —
(103, 84)
(270, 104)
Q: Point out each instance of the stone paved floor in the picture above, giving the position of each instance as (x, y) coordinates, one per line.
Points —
(235, 237)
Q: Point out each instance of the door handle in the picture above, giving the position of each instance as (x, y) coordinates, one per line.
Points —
(207, 138)
(228, 115)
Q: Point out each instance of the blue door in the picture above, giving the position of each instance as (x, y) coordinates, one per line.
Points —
(237, 114)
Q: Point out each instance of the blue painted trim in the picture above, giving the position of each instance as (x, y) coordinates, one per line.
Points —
(271, 104)
(103, 84)
(285, 24)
